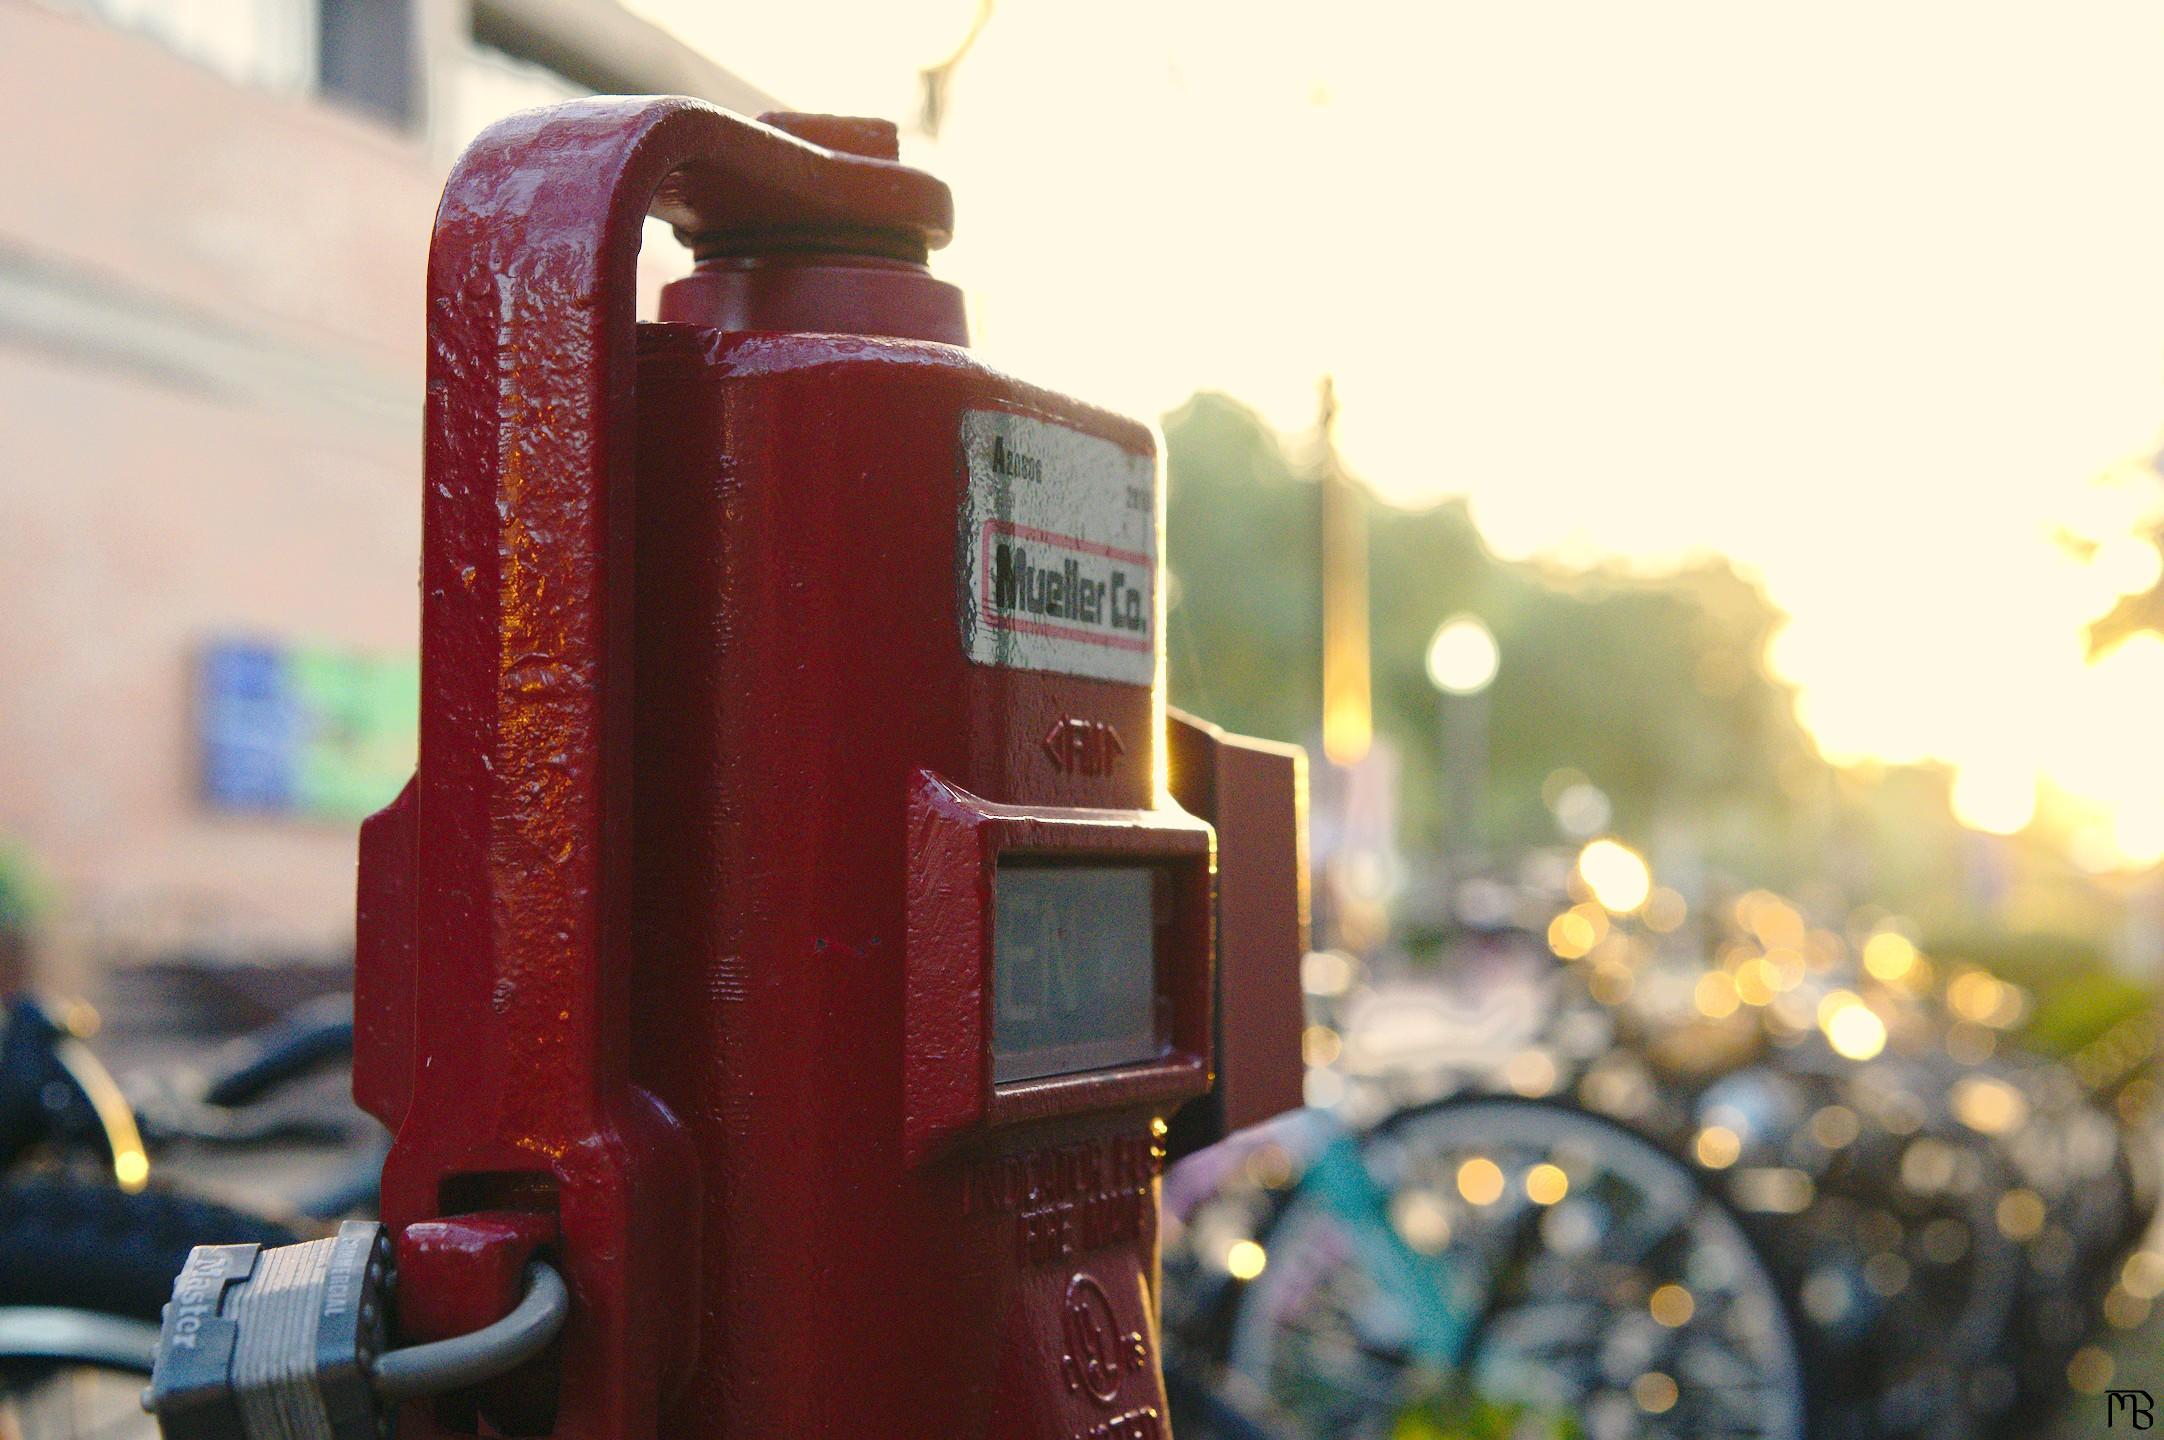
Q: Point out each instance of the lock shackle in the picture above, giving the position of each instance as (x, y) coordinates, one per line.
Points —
(518, 1072)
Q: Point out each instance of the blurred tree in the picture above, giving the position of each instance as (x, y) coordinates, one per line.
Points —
(2120, 529)
(2130, 616)
(1652, 687)
(1244, 587)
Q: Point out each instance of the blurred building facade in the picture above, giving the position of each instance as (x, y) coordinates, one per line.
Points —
(214, 218)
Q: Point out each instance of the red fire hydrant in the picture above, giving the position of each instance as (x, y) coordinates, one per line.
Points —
(790, 932)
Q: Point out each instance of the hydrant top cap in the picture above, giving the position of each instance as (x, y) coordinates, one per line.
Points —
(874, 139)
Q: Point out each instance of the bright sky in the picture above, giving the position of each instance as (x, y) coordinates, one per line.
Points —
(1866, 296)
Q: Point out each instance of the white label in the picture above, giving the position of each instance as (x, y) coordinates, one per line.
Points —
(1059, 550)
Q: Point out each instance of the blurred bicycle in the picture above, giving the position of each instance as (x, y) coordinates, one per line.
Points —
(88, 1247)
(1931, 1216)
(1486, 1266)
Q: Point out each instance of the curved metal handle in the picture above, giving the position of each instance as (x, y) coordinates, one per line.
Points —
(524, 728)
(520, 1060)
(525, 594)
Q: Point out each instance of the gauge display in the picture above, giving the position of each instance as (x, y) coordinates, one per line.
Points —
(1074, 969)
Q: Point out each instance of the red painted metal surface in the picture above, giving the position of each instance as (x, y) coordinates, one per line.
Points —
(821, 779)
(459, 1274)
(1254, 793)
(680, 937)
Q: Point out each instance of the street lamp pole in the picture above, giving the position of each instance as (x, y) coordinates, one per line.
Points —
(1462, 661)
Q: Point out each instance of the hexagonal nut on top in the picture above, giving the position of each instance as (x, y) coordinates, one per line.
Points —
(872, 138)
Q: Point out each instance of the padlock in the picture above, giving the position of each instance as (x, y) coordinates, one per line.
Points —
(290, 1342)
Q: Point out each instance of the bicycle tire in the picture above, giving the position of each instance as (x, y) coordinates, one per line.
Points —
(1784, 1376)
(316, 1034)
(85, 1246)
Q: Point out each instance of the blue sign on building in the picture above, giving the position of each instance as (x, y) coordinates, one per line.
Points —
(247, 723)
(303, 730)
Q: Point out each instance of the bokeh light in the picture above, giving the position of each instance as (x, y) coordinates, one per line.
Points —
(1546, 1184)
(1480, 1181)
(1616, 874)
(1462, 656)
(1852, 1028)
(2000, 800)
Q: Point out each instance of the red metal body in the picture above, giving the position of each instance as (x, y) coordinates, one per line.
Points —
(680, 945)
